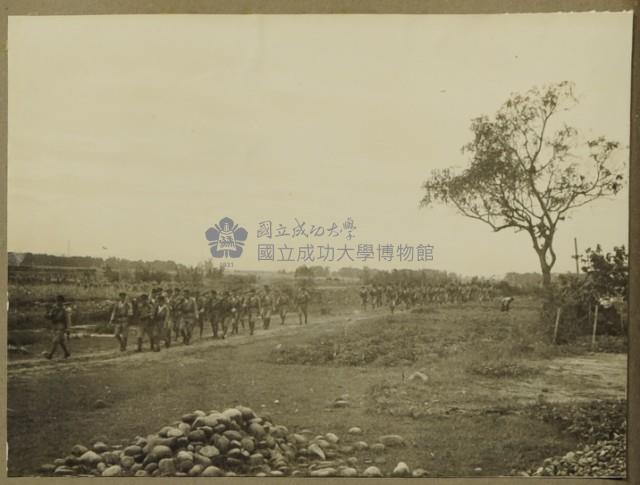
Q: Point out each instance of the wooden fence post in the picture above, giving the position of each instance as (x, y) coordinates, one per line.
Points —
(595, 328)
(555, 329)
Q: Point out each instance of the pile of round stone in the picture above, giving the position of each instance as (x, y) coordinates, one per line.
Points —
(229, 443)
(605, 458)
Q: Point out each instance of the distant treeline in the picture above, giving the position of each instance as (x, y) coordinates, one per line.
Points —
(116, 264)
(30, 268)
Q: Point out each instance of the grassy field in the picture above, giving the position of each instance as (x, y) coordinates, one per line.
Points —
(484, 373)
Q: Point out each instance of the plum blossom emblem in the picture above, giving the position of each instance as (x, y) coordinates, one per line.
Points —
(226, 239)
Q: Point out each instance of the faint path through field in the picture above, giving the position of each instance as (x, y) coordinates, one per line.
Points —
(80, 361)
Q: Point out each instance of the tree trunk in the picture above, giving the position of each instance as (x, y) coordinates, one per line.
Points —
(548, 300)
(546, 279)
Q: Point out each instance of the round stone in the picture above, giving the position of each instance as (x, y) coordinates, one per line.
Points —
(247, 413)
(162, 451)
(361, 445)
(167, 467)
(198, 459)
(197, 435)
(90, 459)
(377, 448)
(391, 440)
(127, 462)
(212, 471)
(348, 472)
(133, 450)
(248, 444)
(174, 433)
(184, 456)
(256, 430)
(63, 470)
(110, 458)
(401, 470)
(185, 466)
(233, 435)
(100, 447)
(112, 471)
(209, 451)
(222, 443)
(332, 438)
(316, 451)
(79, 450)
(372, 471)
(256, 459)
(323, 472)
(232, 414)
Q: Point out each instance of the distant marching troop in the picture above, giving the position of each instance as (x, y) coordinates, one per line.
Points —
(378, 295)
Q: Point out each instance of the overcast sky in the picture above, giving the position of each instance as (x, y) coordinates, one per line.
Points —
(137, 133)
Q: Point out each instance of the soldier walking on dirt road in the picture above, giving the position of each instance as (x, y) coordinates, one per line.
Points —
(146, 322)
(189, 310)
(281, 304)
(120, 314)
(60, 316)
(162, 322)
(266, 307)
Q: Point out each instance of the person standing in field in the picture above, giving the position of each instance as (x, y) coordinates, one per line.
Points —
(120, 316)
(505, 303)
(302, 302)
(60, 317)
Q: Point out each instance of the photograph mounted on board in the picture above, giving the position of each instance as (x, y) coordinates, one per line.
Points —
(318, 245)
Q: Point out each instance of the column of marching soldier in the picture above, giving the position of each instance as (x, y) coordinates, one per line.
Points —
(172, 315)
(166, 316)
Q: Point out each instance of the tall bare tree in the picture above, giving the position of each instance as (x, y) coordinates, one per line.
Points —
(528, 170)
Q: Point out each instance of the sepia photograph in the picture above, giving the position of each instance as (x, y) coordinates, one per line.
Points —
(318, 245)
